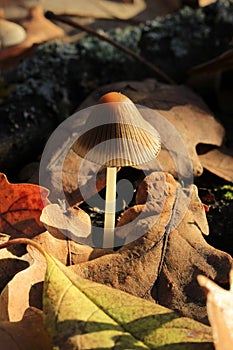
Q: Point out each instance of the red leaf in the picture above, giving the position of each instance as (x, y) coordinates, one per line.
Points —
(20, 208)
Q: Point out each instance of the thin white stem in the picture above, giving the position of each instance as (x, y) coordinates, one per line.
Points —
(110, 208)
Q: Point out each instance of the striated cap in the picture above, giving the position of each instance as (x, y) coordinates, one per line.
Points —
(117, 134)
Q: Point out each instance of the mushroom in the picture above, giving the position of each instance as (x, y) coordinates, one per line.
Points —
(116, 135)
(11, 33)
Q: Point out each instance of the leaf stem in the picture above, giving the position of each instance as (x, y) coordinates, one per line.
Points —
(22, 241)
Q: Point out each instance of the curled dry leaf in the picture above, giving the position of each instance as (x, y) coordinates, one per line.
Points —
(141, 9)
(38, 30)
(182, 108)
(27, 334)
(20, 208)
(98, 8)
(14, 300)
(10, 264)
(162, 264)
(218, 162)
(75, 224)
(220, 311)
(220, 63)
(72, 222)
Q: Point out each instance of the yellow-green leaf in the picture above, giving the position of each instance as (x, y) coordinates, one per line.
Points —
(81, 314)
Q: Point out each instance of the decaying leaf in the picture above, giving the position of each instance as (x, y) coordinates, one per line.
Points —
(220, 311)
(162, 264)
(20, 208)
(220, 63)
(104, 9)
(75, 224)
(218, 162)
(38, 30)
(75, 182)
(97, 8)
(182, 108)
(14, 300)
(86, 315)
(10, 263)
(27, 334)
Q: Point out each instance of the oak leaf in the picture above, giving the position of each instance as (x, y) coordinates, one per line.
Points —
(14, 301)
(163, 263)
(141, 9)
(20, 208)
(218, 162)
(181, 107)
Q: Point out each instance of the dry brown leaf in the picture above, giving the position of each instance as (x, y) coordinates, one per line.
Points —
(182, 108)
(162, 264)
(112, 9)
(74, 181)
(75, 224)
(27, 334)
(10, 263)
(220, 63)
(13, 300)
(38, 30)
(220, 311)
(218, 163)
(96, 8)
(206, 2)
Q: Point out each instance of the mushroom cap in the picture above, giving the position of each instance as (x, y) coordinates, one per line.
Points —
(117, 135)
(11, 33)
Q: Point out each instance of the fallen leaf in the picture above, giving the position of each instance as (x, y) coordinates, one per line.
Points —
(220, 311)
(220, 63)
(10, 264)
(163, 263)
(72, 222)
(75, 224)
(68, 176)
(14, 300)
(97, 8)
(206, 2)
(189, 121)
(83, 314)
(218, 162)
(38, 30)
(20, 208)
(27, 334)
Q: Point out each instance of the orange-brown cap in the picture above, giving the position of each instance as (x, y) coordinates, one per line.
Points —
(117, 135)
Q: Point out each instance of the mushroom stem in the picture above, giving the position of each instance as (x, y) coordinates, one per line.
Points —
(110, 207)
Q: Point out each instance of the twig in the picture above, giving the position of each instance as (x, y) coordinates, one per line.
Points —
(50, 15)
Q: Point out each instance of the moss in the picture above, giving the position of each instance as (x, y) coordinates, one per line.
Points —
(227, 192)
(189, 37)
